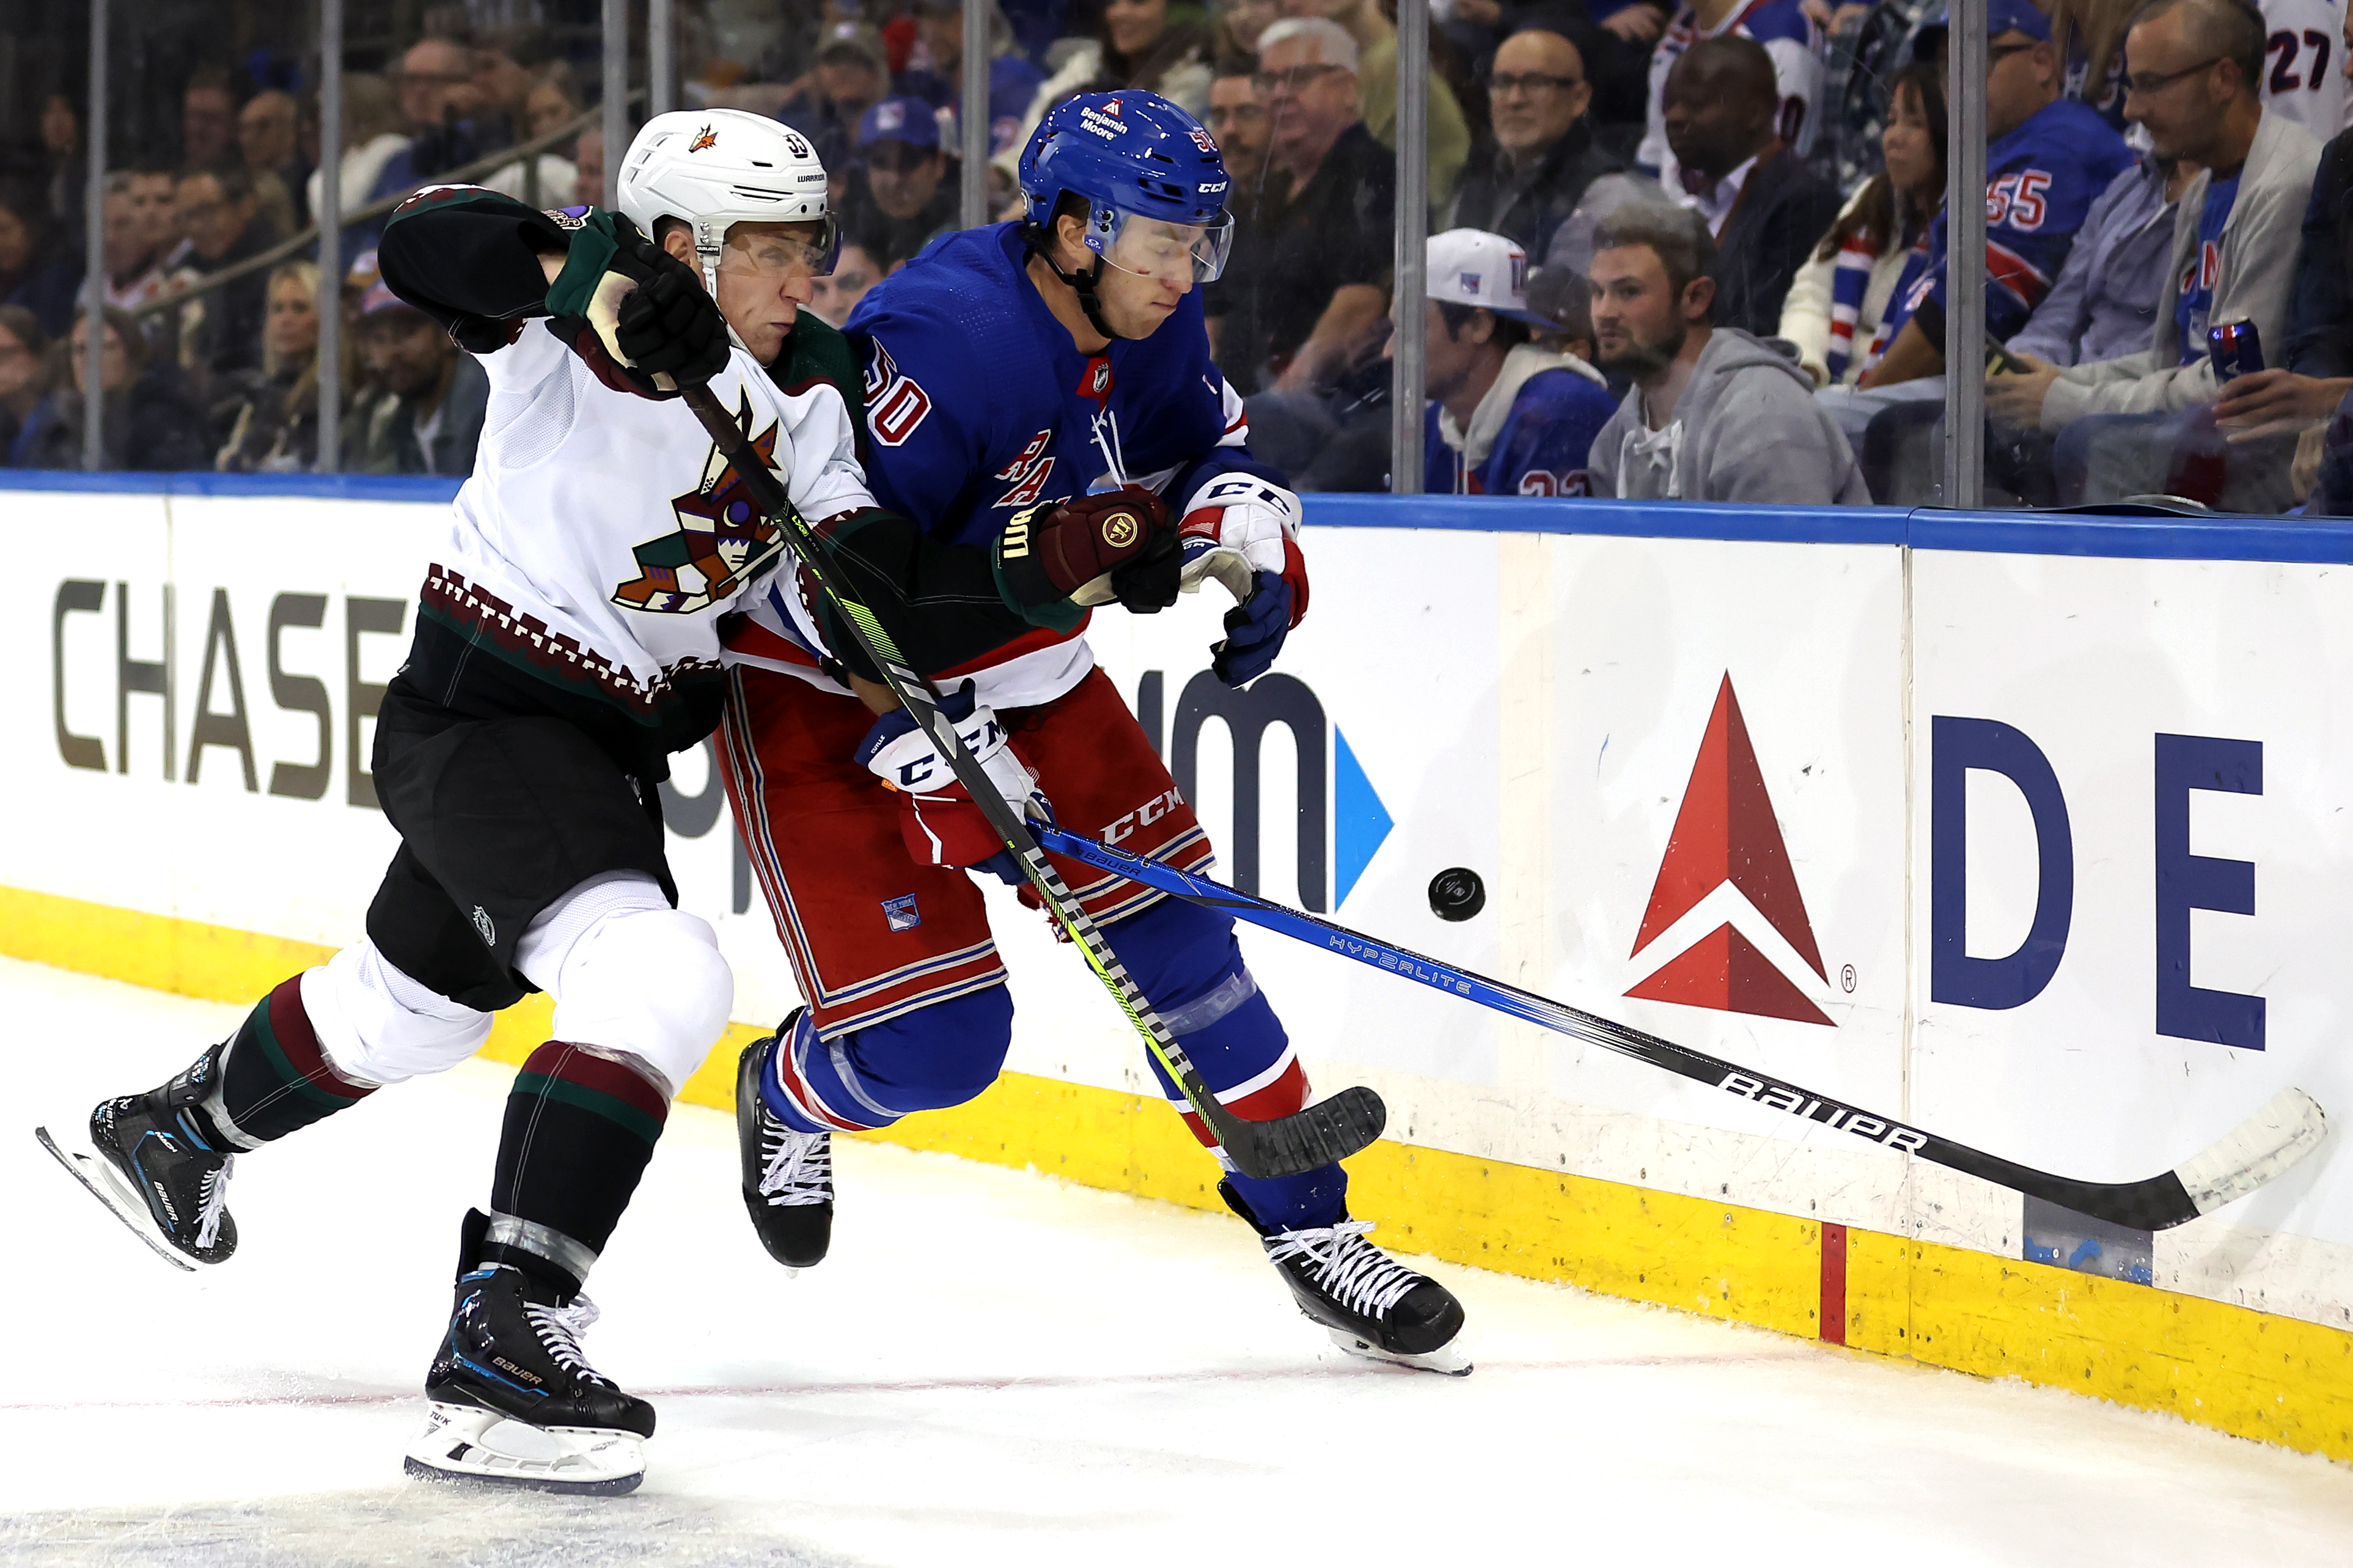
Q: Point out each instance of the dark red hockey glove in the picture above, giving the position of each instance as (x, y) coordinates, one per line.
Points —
(1092, 549)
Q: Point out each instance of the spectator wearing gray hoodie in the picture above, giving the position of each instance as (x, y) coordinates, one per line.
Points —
(1714, 414)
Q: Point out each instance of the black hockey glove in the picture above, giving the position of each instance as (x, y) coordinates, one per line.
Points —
(669, 324)
(648, 309)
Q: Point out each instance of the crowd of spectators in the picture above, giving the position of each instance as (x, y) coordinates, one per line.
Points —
(1685, 249)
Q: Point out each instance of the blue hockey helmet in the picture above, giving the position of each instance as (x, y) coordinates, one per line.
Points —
(1132, 155)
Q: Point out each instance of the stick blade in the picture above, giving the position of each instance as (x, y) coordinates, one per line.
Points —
(2289, 1126)
(1323, 1134)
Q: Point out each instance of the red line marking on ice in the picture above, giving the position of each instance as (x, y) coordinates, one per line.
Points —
(1833, 1319)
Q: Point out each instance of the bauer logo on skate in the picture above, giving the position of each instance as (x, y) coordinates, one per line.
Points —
(1725, 833)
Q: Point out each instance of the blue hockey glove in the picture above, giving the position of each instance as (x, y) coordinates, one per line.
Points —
(1254, 632)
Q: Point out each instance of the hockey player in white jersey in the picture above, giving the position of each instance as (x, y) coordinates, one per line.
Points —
(566, 643)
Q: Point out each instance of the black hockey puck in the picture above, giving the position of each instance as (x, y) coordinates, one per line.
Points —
(1457, 894)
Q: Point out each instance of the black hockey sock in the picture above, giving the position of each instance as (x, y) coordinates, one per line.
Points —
(579, 1130)
(275, 1079)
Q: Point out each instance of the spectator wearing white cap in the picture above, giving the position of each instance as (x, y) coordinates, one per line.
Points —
(1506, 416)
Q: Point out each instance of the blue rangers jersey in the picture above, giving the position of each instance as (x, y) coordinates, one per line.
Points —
(1538, 448)
(978, 405)
(2041, 180)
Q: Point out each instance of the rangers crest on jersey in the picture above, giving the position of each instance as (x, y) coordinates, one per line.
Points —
(723, 540)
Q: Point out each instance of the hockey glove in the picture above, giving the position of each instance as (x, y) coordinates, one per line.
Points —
(1057, 559)
(1236, 526)
(937, 818)
(650, 309)
(1254, 631)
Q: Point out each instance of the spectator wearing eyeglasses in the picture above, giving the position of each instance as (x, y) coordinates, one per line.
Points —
(2147, 421)
(1375, 36)
(899, 195)
(1765, 210)
(1531, 173)
(221, 218)
(1309, 277)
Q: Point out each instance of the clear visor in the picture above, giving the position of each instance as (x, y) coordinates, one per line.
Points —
(1163, 251)
(776, 252)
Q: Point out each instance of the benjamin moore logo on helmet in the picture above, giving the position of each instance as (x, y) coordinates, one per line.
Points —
(706, 137)
(1105, 121)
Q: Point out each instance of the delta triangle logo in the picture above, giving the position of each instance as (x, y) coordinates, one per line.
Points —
(1725, 832)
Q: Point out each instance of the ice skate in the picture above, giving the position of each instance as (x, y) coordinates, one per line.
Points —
(515, 1402)
(1372, 1305)
(787, 1175)
(152, 1159)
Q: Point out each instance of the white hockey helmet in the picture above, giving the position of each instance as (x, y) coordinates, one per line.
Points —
(713, 168)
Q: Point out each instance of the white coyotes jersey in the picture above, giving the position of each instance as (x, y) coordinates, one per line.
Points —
(2304, 76)
(601, 534)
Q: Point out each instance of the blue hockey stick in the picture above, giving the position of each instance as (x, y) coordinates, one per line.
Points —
(2266, 1143)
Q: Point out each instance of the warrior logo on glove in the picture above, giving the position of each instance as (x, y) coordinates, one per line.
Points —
(722, 541)
(1120, 529)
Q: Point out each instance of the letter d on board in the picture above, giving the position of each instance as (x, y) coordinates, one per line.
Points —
(1957, 745)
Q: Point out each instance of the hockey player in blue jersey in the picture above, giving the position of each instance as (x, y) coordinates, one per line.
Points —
(1034, 368)
(1506, 416)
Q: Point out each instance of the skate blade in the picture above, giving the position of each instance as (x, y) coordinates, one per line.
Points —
(1446, 1360)
(468, 1446)
(104, 1182)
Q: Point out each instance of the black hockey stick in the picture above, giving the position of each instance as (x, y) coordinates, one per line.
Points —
(1308, 1139)
(2274, 1138)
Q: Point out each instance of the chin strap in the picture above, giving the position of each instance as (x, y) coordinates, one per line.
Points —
(1082, 283)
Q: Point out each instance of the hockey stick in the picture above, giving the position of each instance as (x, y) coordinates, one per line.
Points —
(1320, 1134)
(2274, 1138)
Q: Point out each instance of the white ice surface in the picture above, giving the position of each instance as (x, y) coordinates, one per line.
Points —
(993, 1367)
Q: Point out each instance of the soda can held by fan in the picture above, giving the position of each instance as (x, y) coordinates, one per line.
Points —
(2235, 349)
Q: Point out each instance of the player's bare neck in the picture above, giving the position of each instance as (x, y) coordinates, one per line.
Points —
(1063, 301)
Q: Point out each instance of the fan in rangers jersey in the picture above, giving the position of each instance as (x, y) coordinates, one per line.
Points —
(1053, 365)
(567, 641)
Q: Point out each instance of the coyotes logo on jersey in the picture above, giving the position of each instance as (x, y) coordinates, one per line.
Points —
(723, 540)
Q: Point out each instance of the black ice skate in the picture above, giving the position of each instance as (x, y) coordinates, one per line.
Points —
(1372, 1305)
(515, 1402)
(153, 1159)
(787, 1175)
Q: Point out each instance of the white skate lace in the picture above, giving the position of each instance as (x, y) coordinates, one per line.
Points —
(559, 1330)
(212, 1203)
(1356, 1273)
(800, 1166)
